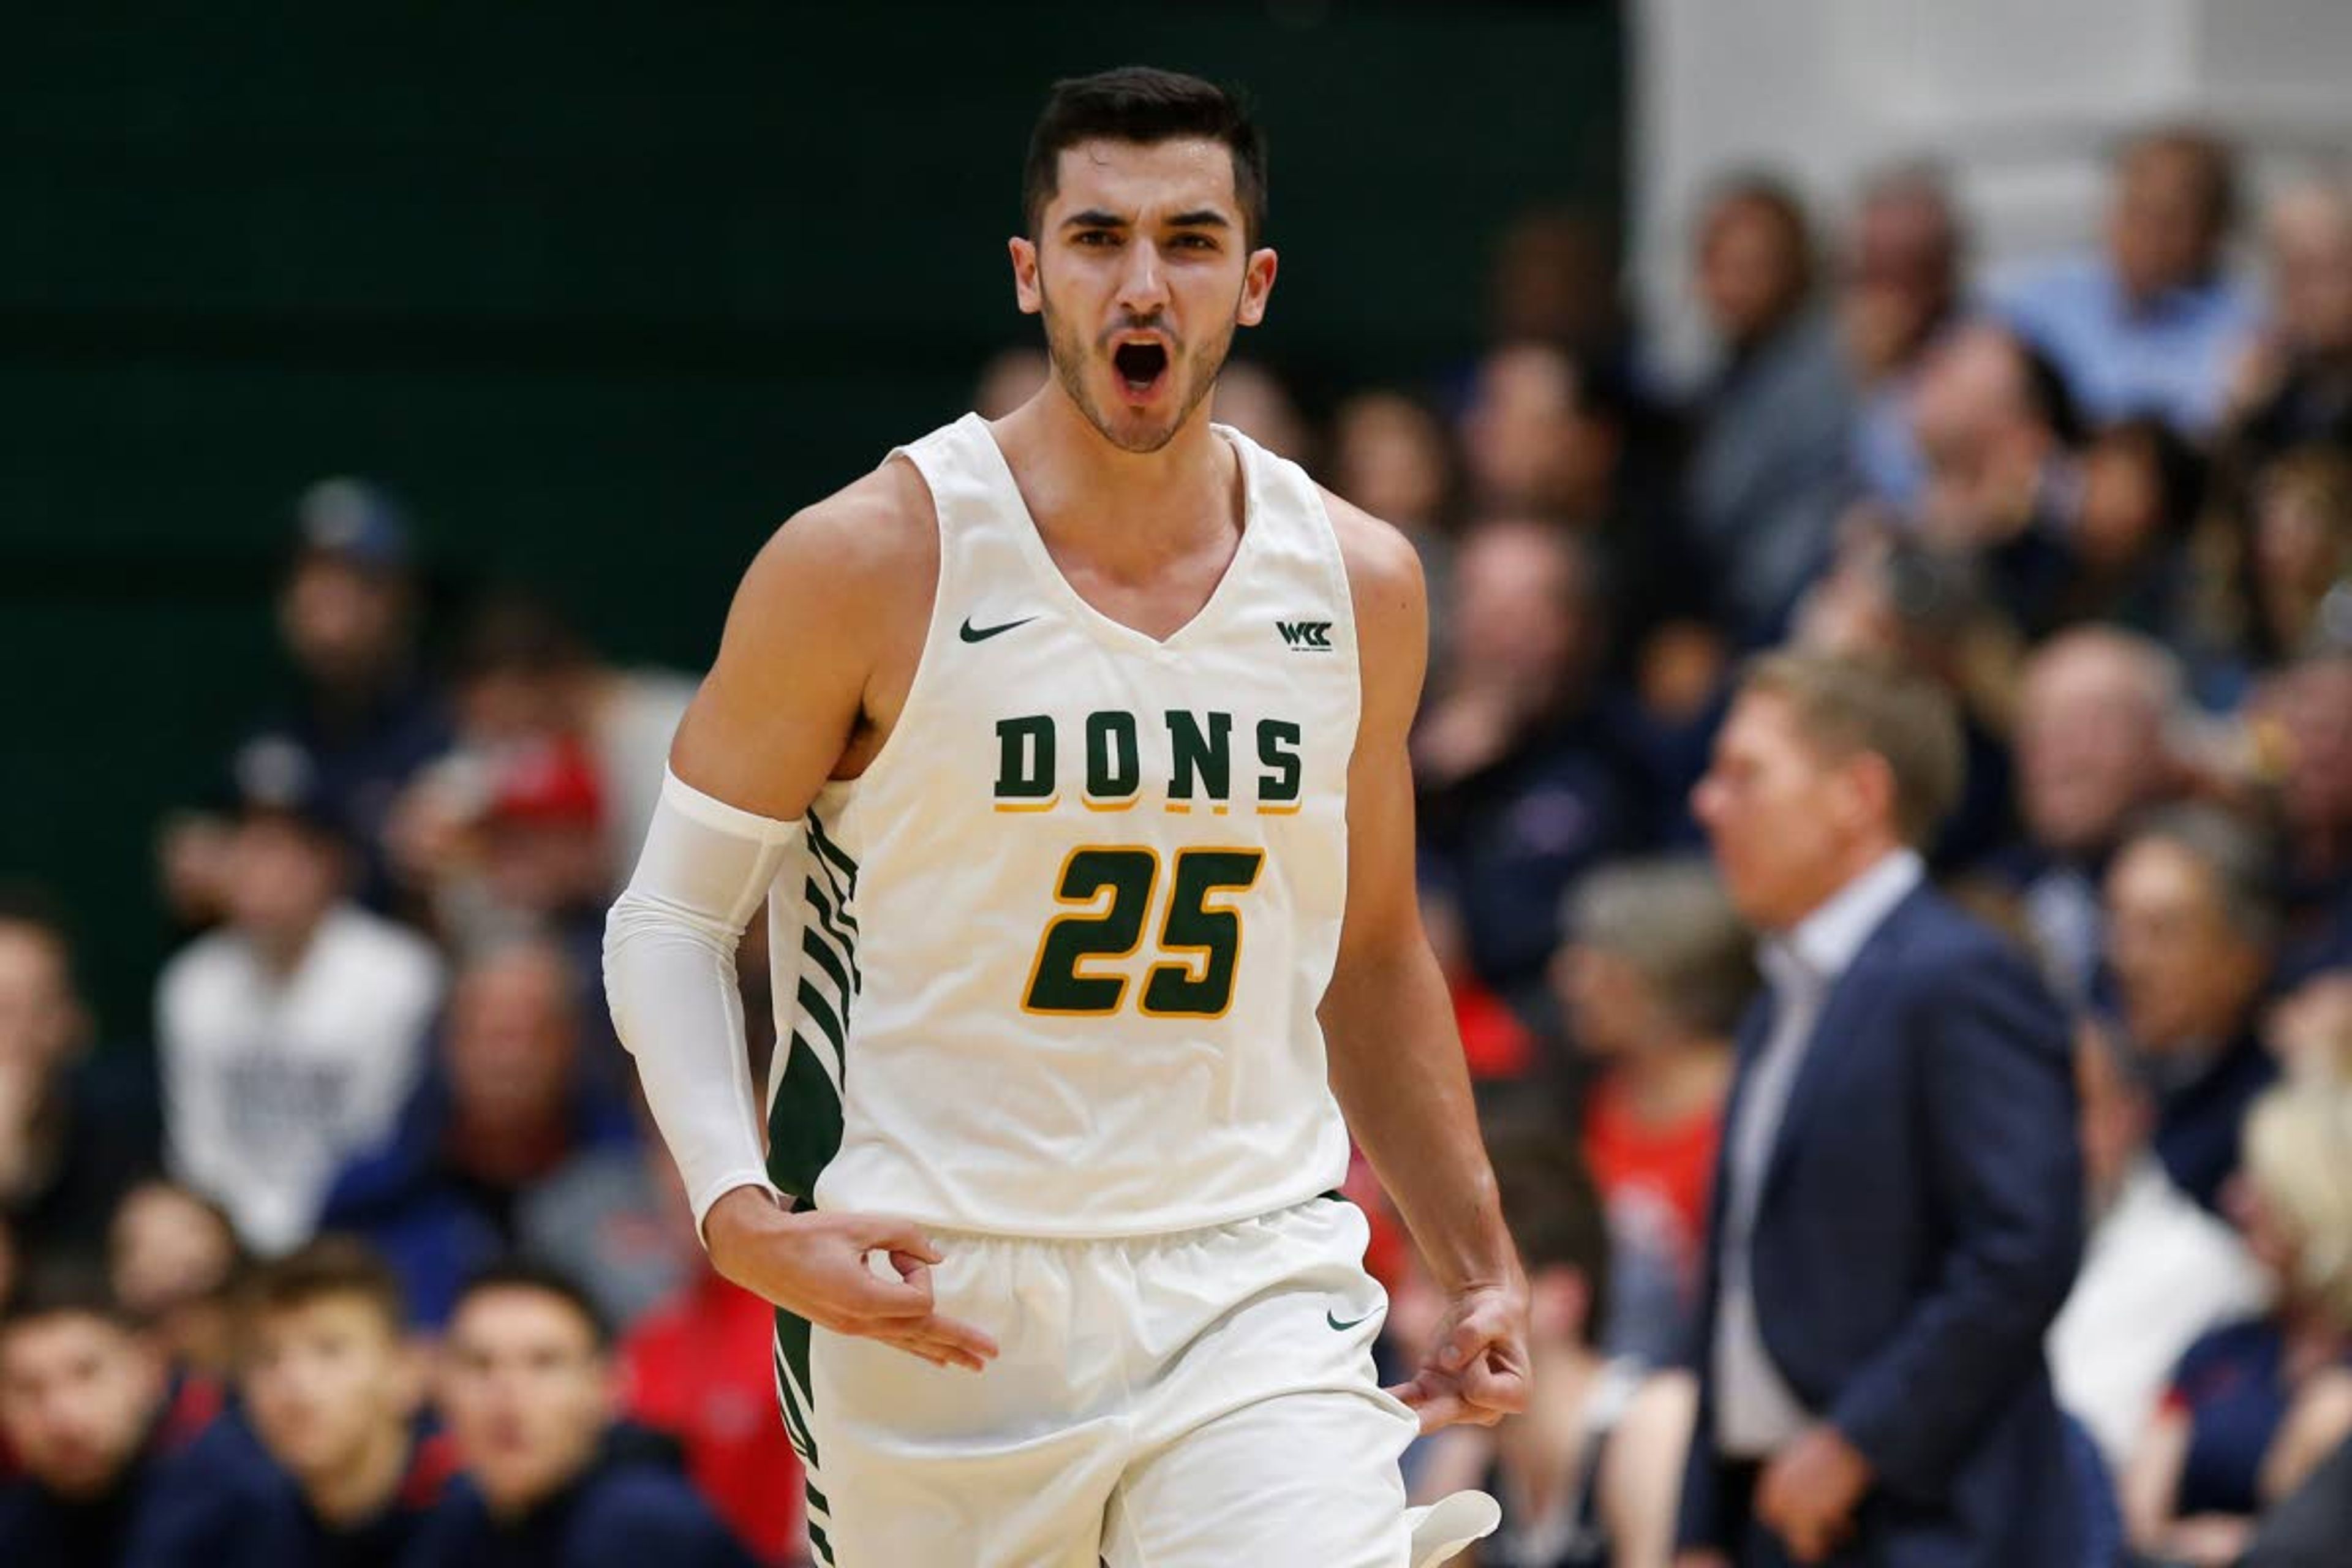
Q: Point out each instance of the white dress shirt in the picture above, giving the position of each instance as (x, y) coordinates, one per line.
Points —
(1756, 1413)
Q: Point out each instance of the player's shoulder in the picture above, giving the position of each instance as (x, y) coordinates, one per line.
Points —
(881, 518)
(1384, 574)
(877, 535)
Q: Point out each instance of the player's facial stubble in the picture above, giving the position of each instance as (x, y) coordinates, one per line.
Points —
(1066, 347)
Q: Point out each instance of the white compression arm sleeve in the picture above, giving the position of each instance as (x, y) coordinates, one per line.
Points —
(670, 976)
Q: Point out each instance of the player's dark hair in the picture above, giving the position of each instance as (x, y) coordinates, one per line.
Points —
(541, 1278)
(1136, 103)
(329, 1268)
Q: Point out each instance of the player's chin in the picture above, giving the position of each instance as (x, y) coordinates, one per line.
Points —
(1136, 431)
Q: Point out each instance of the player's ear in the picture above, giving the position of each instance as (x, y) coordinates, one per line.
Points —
(1025, 288)
(1257, 282)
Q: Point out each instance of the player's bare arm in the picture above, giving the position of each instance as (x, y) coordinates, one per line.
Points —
(1396, 1062)
(819, 648)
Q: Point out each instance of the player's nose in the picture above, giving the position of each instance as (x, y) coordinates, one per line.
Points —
(1143, 281)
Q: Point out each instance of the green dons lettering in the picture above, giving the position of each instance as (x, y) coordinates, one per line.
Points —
(1189, 755)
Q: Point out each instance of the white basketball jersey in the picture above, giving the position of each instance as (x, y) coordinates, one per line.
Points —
(1051, 965)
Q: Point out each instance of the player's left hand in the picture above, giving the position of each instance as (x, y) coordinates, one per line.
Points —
(1477, 1368)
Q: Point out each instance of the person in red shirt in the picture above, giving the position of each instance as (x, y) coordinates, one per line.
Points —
(695, 1367)
(1652, 982)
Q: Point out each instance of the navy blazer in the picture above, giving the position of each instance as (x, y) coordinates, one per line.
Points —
(1919, 1226)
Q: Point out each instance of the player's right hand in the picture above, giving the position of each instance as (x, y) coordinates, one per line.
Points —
(815, 1265)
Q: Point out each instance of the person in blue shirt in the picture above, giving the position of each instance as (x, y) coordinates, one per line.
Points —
(2192, 928)
(117, 1472)
(507, 1102)
(333, 1391)
(2151, 324)
(2221, 1447)
(551, 1481)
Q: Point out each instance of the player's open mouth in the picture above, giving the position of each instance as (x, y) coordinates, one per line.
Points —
(1141, 366)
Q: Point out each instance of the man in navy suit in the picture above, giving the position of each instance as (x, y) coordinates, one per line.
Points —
(1898, 1201)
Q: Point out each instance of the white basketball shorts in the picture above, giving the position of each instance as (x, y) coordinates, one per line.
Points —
(1204, 1399)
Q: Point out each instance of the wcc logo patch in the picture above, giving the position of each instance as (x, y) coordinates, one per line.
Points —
(1305, 637)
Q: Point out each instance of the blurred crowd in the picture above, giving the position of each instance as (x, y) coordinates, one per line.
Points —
(2105, 499)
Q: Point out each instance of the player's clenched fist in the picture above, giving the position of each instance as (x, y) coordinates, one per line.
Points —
(1477, 1370)
(815, 1265)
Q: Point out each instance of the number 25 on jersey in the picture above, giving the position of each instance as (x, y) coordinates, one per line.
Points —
(1111, 891)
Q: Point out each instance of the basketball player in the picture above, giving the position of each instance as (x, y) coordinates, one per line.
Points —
(1068, 753)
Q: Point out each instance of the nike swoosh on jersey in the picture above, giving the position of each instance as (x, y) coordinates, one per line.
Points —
(971, 633)
(1333, 1319)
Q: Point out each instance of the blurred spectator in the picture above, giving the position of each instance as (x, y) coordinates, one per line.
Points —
(1771, 463)
(2306, 713)
(2192, 925)
(607, 1218)
(2309, 1527)
(2297, 554)
(527, 1388)
(2310, 1028)
(700, 1367)
(503, 1109)
(1253, 400)
(1901, 287)
(362, 710)
(1498, 1045)
(2143, 491)
(526, 681)
(334, 1390)
(2160, 1271)
(1997, 431)
(1010, 379)
(1524, 783)
(1530, 443)
(1589, 1473)
(2294, 385)
(288, 1037)
(1651, 983)
(2151, 325)
(528, 857)
(2208, 1463)
(1890, 598)
(1554, 279)
(1547, 436)
(2095, 712)
(2318, 1421)
(1390, 455)
(1899, 1202)
(172, 1259)
(107, 1463)
(78, 1126)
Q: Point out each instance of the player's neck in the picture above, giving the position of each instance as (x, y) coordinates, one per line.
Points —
(1126, 510)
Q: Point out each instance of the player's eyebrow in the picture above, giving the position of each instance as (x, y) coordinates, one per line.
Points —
(1202, 217)
(1094, 217)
